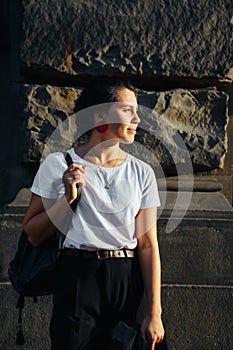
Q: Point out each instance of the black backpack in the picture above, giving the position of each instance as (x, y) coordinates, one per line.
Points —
(32, 271)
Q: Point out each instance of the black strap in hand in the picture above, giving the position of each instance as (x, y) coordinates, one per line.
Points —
(74, 204)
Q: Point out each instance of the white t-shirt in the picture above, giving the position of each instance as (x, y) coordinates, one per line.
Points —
(104, 218)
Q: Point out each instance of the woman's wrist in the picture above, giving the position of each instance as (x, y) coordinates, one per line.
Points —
(69, 199)
(155, 311)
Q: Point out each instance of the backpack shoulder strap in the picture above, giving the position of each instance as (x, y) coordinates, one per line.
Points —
(69, 161)
(20, 336)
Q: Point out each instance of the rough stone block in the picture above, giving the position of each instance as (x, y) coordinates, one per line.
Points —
(184, 125)
(45, 108)
(176, 125)
(184, 39)
(179, 127)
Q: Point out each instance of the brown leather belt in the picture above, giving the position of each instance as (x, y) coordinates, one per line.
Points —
(99, 254)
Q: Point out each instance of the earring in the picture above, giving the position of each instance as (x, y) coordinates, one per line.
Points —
(102, 127)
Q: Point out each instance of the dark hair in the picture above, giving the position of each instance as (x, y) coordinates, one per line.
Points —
(100, 90)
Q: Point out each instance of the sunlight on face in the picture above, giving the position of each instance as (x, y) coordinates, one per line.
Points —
(122, 117)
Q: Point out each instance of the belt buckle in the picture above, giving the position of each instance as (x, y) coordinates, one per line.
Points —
(99, 257)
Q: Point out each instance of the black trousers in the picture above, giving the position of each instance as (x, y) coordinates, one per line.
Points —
(92, 296)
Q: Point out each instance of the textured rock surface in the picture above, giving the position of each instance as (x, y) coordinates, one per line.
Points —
(176, 125)
(185, 124)
(187, 38)
(45, 109)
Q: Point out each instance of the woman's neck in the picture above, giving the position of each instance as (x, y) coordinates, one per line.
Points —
(106, 154)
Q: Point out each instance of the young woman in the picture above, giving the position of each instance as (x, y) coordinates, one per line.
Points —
(110, 252)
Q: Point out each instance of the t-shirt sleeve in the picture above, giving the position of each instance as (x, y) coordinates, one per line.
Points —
(48, 180)
(150, 193)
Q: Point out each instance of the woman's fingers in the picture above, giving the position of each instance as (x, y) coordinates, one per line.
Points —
(74, 167)
(74, 175)
(153, 345)
(156, 340)
(75, 171)
(153, 331)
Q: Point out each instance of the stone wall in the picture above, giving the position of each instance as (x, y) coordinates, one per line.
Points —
(179, 56)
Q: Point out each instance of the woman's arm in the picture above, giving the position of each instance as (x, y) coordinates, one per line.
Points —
(44, 216)
(149, 259)
(40, 223)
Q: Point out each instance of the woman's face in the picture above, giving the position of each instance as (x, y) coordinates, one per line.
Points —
(122, 118)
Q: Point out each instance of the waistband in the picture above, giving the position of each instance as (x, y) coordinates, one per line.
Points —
(99, 254)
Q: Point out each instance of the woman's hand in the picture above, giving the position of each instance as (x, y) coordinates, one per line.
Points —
(74, 175)
(153, 331)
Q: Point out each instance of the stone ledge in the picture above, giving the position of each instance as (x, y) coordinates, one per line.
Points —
(195, 202)
(192, 183)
